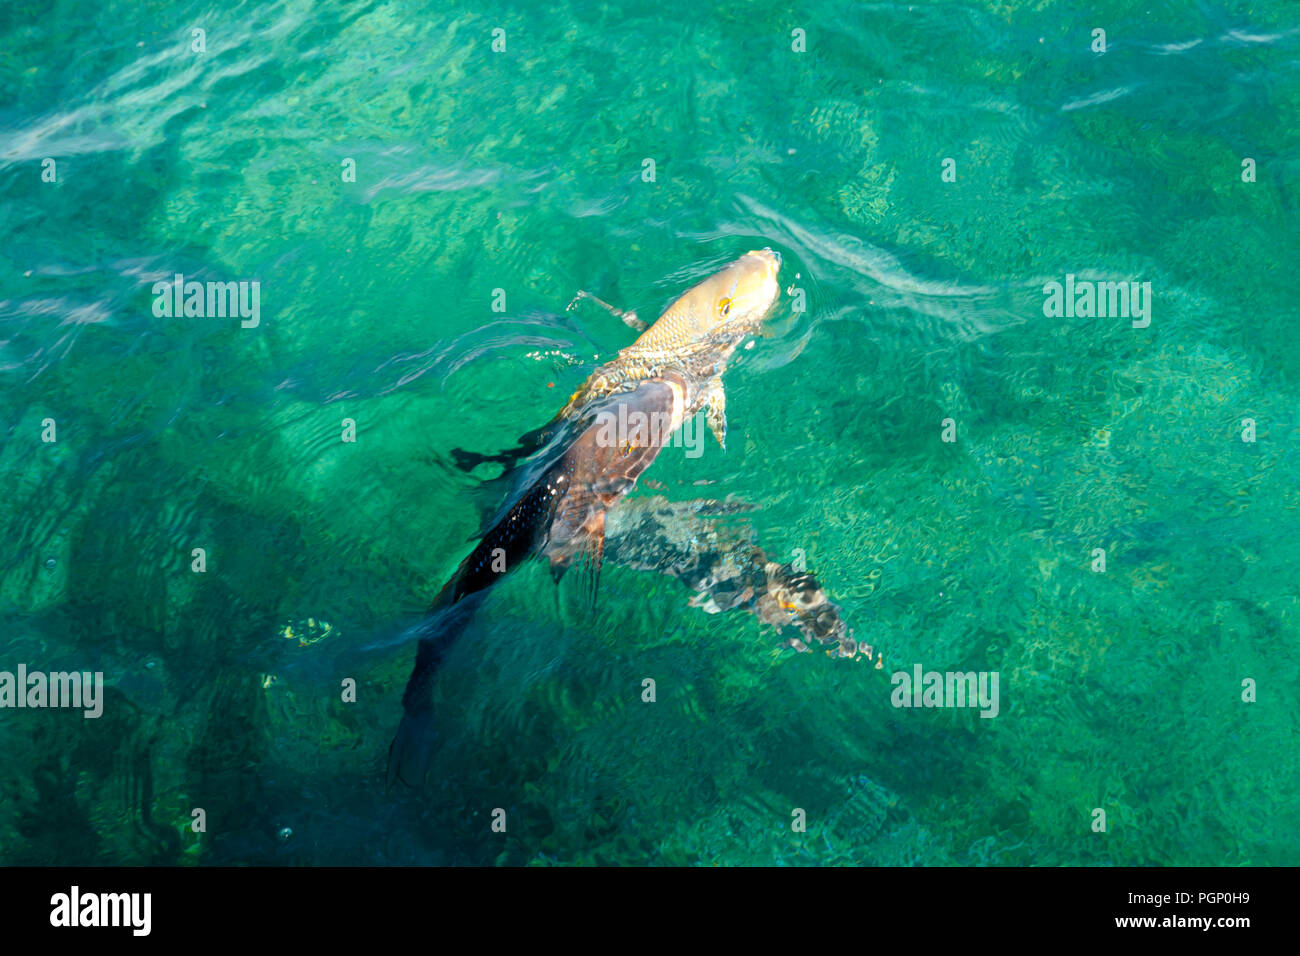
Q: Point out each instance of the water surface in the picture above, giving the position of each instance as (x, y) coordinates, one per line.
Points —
(523, 171)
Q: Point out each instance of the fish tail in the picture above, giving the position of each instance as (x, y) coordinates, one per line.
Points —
(412, 746)
(409, 753)
(411, 749)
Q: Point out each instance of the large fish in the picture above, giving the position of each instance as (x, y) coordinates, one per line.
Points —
(610, 431)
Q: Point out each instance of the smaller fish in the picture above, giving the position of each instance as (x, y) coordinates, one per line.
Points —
(720, 561)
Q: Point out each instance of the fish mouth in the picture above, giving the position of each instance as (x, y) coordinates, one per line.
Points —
(765, 289)
(770, 257)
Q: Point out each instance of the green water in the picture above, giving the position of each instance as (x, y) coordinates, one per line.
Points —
(522, 170)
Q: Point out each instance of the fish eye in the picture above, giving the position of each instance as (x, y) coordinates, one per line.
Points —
(724, 306)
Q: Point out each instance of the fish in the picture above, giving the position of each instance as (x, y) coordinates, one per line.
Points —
(704, 545)
(585, 465)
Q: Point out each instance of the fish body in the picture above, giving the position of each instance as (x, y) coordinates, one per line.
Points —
(586, 466)
(560, 513)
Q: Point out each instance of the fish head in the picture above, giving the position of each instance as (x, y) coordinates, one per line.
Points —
(745, 291)
(738, 296)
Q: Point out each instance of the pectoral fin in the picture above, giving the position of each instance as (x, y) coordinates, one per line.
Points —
(715, 411)
(629, 318)
(588, 548)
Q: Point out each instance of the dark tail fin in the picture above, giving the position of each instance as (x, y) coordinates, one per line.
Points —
(409, 753)
(412, 747)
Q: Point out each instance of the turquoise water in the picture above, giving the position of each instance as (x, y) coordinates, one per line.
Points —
(523, 170)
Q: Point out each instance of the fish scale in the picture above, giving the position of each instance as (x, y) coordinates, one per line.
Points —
(699, 361)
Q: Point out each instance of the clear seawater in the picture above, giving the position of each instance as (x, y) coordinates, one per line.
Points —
(522, 170)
